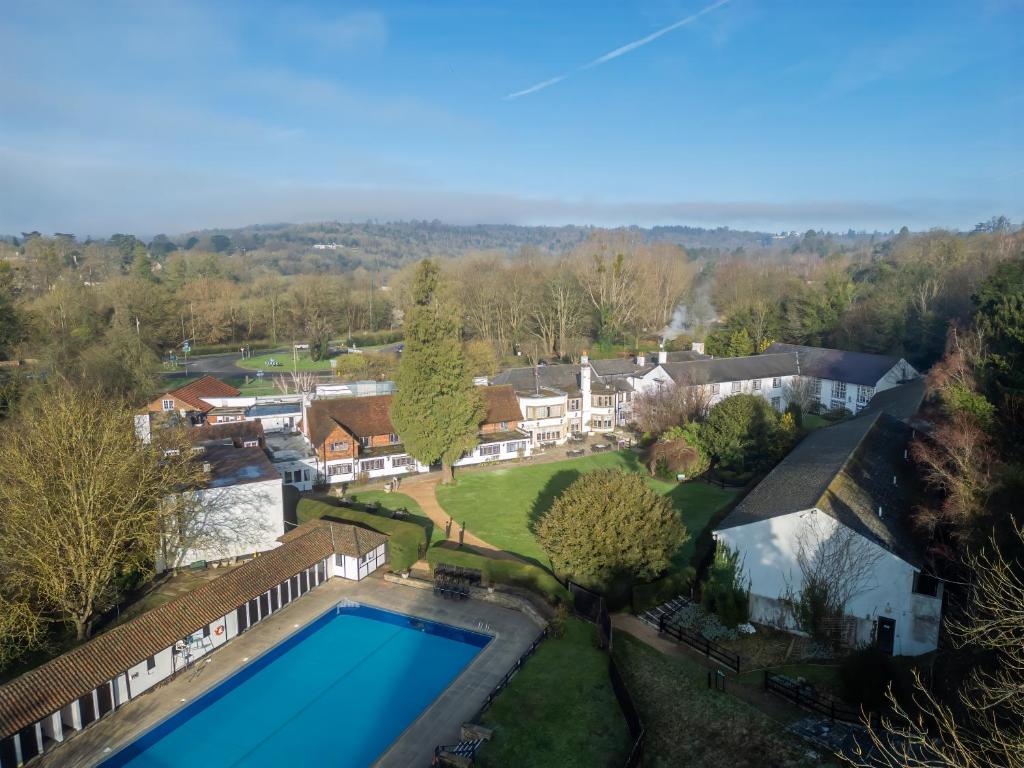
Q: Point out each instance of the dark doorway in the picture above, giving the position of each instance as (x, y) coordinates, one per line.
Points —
(264, 605)
(243, 618)
(7, 755)
(886, 634)
(274, 604)
(87, 709)
(254, 610)
(29, 743)
(106, 699)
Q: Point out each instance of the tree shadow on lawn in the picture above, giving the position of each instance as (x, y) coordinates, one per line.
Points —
(490, 554)
(421, 520)
(553, 488)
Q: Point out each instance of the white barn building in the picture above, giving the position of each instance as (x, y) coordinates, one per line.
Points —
(843, 490)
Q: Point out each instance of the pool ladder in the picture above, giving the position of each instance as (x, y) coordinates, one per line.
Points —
(345, 603)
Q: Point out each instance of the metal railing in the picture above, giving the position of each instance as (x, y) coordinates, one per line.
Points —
(698, 642)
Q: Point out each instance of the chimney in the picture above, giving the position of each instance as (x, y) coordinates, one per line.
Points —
(662, 355)
(894, 479)
(585, 390)
(207, 467)
(641, 359)
(879, 511)
(698, 347)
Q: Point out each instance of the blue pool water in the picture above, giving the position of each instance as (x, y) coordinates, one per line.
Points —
(337, 693)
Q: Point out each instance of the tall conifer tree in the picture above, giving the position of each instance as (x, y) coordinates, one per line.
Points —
(437, 410)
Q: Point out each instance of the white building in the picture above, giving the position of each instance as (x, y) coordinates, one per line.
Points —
(241, 507)
(46, 705)
(843, 489)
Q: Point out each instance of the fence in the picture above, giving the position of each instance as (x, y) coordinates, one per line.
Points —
(807, 698)
(509, 675)
(633, 721)
(710, 649)
(591, 606)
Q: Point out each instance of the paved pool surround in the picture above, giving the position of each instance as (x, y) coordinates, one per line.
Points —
(439, 723)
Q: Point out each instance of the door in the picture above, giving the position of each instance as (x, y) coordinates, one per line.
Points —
(886, 634)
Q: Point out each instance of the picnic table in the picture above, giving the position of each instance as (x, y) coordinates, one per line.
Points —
(574, 452)
(598, 447)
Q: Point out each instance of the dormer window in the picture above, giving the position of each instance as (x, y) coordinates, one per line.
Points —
(167, 405)
(393, 439)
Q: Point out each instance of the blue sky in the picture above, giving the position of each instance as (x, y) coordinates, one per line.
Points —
(769, 114)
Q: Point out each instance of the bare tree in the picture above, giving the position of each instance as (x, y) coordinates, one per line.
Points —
(836, 565)
(672, 405)
(987, 729)
(21, 630)
(70, 527)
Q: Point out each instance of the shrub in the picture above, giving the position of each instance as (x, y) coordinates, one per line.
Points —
(865, 675)
(740, 432)
(654, 593)
(677, 451)
(405, 539)
(725, 592)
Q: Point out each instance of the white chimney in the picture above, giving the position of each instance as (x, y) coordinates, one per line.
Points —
(698, 347)
(641, 359)
(879, 511)
(662, 356)
(585, 390)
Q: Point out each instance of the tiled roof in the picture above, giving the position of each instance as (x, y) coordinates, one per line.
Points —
(237, 466)
(847, 471)
(236, 431)
(838, 365)
(360, 416)
(46, 689)
(502, 404)
(346, 538)
(207, 386)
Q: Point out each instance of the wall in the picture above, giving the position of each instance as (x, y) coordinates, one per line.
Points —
(768, 550)
(509, 450)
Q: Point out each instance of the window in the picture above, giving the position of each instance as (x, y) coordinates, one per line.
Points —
(546, 436)
(777, 382)
(513, 447)
(339, 446)
(150, 664)
(333, 470)
(392, 439)
(167, 405)
(504, 426)
(715, 389)
(756, 385)
(206, 631)
(339, 560)
(371, 464)
(305, 475)
(816, 387)
(926, 585)
(838, 390)
(251, 444)
(544, 411)
(364, 441)
(737, 386)
(864, 394)
(402, 461)
(491, 449)
(777, 403)
(574, 405)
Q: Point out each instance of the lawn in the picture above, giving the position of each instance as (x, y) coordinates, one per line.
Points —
(688, 723)
(286, 360)
(559, 710)
(499, 505)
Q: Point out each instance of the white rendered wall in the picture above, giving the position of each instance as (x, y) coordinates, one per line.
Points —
(768, 552)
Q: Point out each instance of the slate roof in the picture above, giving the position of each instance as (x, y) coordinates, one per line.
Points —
(621, 366)
(902, 402)
(45, 689)
(838, 365)
(238, 466)
(563, 377)
(722, 369)
(845, 470)
(206, 386)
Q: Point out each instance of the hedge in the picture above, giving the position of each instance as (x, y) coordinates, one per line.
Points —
(405, 539)
(513, 573)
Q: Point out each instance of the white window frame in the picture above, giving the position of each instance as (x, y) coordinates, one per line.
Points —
(333, 470)
(737, 386)
(378, 464)
(490, 449)
(776, 382)
(839, 390)
(402, 461)
(756, 384)
(167, 405)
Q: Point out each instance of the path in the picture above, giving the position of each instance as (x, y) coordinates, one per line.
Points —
(421, 489)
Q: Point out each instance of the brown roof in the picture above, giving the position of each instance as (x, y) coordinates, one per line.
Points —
(207, 386)
(502, 404)
(46, 689)
(236, 431)
(360, 416)
(347, 539)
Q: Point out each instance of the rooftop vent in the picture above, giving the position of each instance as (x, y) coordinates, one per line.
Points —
(879, 511)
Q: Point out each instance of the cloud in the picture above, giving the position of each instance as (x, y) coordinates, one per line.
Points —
(354, 31)
(620, 51)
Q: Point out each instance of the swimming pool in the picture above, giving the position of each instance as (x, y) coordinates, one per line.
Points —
(337, 693)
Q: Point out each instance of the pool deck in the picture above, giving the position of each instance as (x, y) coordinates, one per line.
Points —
(438, 724)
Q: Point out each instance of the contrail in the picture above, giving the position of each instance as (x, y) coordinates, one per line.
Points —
(621, 51)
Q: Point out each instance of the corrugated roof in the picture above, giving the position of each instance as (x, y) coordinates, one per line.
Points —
(206, 386)
(839, 365)
(44, 690)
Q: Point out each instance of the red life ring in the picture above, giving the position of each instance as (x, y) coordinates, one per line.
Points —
(219, 631)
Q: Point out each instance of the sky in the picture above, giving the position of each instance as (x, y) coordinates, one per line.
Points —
(756, 114)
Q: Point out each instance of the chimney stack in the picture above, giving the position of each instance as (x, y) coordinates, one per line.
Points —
(662, 355)
(879, 511)
(698, 347)
(641, 359)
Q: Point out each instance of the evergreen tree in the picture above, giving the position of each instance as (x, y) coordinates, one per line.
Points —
(436, 409)
(740, 344)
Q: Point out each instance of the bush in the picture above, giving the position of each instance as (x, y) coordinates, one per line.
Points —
(865, 675)
(740, 432)
(725, 592)
(404, 539)
(513, 573)
(654, 593)
(677, 451)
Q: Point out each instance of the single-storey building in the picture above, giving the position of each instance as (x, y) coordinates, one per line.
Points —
(837, 508)
(48, 704)
(188, 401)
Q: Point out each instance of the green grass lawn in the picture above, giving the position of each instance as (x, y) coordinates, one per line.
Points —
(499, 505)
(688, 723)
(286, 359)
(559, 710)
(824, 677)
(392, 501)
